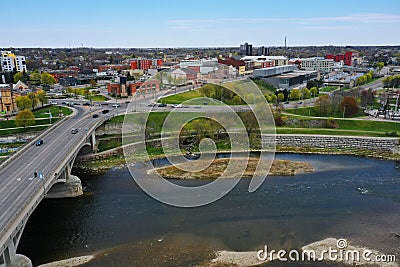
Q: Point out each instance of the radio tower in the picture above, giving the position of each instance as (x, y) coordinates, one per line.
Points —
(285, 46)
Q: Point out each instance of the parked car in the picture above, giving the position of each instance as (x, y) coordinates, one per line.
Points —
(74, 131)
(95, 115)
(39, 142)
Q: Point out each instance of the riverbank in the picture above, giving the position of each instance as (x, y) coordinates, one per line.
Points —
(112, 160)
(72, 262)
(314, 252)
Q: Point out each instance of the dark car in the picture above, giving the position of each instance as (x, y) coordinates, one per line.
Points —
(95, 115)
(86, 104)
(39, 142)
(105, 111)
(162, 105)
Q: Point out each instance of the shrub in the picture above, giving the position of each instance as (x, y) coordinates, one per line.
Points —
(332, 124)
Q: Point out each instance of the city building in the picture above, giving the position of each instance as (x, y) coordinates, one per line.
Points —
(277, 60)
(317, 64)
(145, 64)
(285, 77)
(7, 99)
(246, 49)
(184, 76)
(348, 58)
(9, 62)
(123, 88)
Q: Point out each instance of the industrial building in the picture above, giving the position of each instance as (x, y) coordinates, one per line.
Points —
(285, 77)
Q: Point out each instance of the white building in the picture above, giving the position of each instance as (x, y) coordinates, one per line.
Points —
(9, 61)
(20, 63)
(317, 64)
(278, 60)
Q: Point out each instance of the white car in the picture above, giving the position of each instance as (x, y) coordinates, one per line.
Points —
(54, 103)
(176, 105)
(116, 105)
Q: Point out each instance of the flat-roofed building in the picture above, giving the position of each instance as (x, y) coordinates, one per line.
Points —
(317, 64)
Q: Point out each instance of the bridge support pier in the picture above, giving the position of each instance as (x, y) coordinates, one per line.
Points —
(10, 258)
(71, 188)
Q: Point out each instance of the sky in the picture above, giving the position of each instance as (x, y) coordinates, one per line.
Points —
(199, 23)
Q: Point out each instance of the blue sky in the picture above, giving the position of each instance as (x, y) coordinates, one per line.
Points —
(199, 23)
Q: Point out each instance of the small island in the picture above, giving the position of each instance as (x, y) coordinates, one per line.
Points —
(218, 166)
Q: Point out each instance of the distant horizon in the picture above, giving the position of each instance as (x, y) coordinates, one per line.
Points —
(191, 47)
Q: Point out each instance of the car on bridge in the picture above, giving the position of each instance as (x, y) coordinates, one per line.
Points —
(95, 115)
(39, 142)
(105, 111)
(74, 131)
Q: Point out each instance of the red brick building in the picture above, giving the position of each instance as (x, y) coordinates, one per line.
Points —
(145, 64)
(347, 58)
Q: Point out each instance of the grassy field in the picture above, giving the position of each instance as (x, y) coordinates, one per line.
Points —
(312, 111)
(193, 97)
(42, 118)
(328, 89)
(99, 98)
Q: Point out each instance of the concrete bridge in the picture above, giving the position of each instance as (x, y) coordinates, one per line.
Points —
(21, 191)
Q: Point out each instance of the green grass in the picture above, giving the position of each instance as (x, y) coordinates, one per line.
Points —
(42, 119)
(54, 111)
(22, 130)
(359, 125)
(106, 144)
(100, 98)
(182, 97)
(312, 111)
(328, 89)
(264, 87)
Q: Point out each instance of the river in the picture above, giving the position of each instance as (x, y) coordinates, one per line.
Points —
(346, 197)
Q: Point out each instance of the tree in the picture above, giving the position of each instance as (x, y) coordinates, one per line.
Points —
(280, 97)
(323, 105)
(23, 102)
(20, 76)
(42, 97)
(93, 83)
(47, 79)
(25, 118)
(295, 94)
(349, 106)
(305, 92)
(33, 98)
(314, 91)
(273, 98)
(35, 78)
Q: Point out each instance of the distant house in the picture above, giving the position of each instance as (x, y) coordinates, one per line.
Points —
(20, 86)
(183, 76)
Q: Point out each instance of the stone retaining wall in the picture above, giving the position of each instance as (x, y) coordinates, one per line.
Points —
(338, 142)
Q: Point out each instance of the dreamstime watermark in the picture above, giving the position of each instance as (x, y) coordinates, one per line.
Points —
(140, 133)
(340, 253)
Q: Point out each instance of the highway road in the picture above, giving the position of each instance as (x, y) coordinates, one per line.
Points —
(17, 182)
